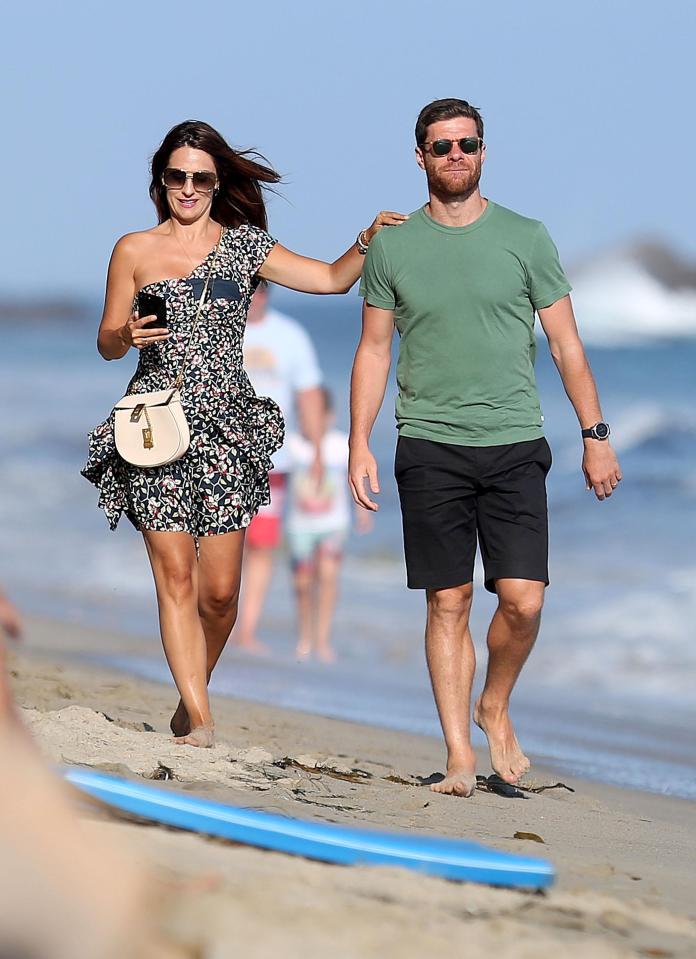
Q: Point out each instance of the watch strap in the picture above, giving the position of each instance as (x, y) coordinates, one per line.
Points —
(592, 433)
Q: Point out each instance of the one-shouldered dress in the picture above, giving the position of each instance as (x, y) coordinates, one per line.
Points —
(222, 480)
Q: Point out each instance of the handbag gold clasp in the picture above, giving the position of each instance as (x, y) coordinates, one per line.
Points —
(148, 439)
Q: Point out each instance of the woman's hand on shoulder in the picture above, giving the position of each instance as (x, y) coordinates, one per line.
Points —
(316, 276)
(385, 218)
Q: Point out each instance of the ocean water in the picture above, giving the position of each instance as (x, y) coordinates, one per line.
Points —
(608, 691)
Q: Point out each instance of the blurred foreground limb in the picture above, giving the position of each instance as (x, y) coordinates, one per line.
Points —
(65, 891)
(10, 620)
(10, 626)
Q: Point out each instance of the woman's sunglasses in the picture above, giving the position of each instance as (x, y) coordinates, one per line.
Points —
(203, 181)
(440, 148)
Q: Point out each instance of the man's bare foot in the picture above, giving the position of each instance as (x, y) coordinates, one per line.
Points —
(507, 758)
(180, 723)
(460, 778)
(201, 736)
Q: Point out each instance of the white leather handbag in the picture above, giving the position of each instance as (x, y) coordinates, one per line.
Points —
(150, 429)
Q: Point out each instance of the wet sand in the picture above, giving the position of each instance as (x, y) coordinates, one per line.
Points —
(625, 859)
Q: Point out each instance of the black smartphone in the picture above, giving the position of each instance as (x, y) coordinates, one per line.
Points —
(151, 305)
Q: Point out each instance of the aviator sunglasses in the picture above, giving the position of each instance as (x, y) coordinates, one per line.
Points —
(440, 148)
(203, 181)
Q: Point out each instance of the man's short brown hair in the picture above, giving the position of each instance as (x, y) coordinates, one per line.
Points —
(446, 110)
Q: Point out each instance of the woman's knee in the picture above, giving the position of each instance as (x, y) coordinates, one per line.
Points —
(219, 600)
(175, 581)
(174, 566)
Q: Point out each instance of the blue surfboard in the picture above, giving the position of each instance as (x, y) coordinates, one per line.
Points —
(436, 856)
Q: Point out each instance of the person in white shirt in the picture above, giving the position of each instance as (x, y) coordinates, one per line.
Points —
(317, 526)
(281, 362)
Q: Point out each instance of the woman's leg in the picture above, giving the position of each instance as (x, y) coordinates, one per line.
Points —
(219, 575)
(175, 571)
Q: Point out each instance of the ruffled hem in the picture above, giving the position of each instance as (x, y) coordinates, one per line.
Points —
(217, 486)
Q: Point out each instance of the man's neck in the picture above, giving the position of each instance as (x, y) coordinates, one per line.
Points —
(456, 211)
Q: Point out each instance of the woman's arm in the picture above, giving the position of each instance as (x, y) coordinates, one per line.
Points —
(302, 273)
(119, 329)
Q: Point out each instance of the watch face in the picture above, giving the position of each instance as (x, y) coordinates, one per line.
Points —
(602, 430)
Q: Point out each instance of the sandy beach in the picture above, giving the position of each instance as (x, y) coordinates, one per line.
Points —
(625, 860)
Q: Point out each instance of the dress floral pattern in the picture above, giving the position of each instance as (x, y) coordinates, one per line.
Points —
(222, 479)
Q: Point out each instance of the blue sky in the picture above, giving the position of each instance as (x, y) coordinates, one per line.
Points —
(588, 110)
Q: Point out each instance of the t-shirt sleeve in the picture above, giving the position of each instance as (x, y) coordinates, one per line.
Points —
(376, 286)
(547, 281)
(306, 373)
(257, 244)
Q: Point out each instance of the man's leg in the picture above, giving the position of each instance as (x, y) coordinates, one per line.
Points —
(451, 662)
(438, 507)
(513, 534)
(511, 636)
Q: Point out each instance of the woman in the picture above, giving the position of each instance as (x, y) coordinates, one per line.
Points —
(193, 512)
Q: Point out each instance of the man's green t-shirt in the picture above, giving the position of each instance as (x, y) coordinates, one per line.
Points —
(464, 300)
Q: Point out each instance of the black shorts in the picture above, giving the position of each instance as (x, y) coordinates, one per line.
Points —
(452, 494)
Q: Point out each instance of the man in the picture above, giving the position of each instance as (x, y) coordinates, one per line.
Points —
(462, 280)
(281, 363)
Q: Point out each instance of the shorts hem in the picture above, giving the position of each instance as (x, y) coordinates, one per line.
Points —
(492, 575)
(445, 581)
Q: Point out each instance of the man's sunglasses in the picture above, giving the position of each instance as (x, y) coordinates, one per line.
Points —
(203, 181)
(440, 148)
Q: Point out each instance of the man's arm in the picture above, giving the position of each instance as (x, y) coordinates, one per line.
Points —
(599, 463)
(367, 385)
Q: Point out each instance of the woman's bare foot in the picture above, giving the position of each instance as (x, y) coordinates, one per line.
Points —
(201, 736)
(460, 778)
(180, 723)
(507, 758)
(326, 654)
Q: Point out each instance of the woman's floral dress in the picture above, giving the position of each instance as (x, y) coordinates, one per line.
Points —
(222, 479)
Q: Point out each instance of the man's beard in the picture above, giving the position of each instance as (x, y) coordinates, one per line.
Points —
(447, 187)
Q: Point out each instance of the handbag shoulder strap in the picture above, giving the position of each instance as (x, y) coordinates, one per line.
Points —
(179, 381)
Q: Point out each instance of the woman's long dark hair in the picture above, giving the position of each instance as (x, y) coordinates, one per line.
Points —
(240, 196)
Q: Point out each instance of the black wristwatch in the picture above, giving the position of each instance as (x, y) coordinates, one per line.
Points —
(600, 431)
